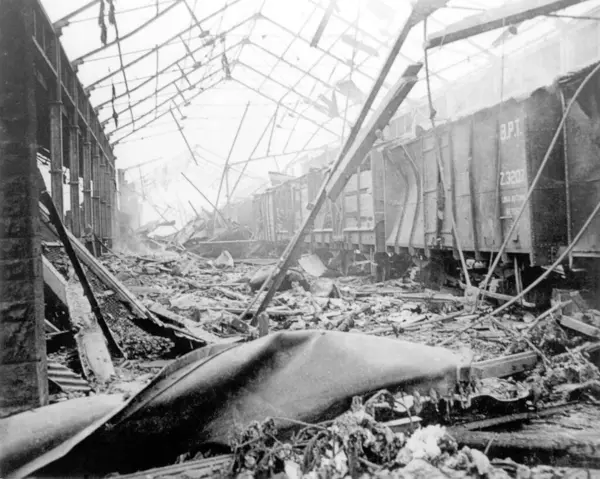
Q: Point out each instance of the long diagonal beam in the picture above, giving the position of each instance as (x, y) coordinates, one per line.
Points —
(495, 18)
(78, 61)
(356, 147)
(203, 195)
(184, 137)
(247, 162)
(225, 175)
(368, 34)
(323, 23)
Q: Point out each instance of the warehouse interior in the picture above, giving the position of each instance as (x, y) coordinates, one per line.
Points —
(314, 238)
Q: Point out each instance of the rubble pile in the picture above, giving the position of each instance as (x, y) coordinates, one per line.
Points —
(523, 363)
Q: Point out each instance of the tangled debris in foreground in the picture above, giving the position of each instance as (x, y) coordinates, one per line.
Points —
(356, 445)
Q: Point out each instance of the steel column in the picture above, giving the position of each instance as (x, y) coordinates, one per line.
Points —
(74, 179)
(23, 370)
(56, 155)
(109, 204)
(102, 184)
(87, 183)
(96, 190)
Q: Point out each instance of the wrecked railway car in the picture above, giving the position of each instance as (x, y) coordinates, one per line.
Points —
(396, 201)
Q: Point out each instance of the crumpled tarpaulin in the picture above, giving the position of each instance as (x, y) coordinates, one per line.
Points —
(201, 398)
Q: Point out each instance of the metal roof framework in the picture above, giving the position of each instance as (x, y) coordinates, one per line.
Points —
(306, 64)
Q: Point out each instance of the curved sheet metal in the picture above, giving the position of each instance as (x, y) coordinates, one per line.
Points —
(25, 436)
(201, 398)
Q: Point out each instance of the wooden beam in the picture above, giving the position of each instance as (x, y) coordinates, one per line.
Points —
(54, 280)
(579, 326)
(506, 365)
(496, 18)
(349, 153)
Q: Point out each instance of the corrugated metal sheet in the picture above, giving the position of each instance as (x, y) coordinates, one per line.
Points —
(212, 467)
(66, 379)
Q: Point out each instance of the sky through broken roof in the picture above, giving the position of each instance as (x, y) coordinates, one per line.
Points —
(199, 64)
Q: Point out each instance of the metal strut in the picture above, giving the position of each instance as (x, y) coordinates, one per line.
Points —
(438, 155)
(354, 150)
(541, 278)
(557, 133)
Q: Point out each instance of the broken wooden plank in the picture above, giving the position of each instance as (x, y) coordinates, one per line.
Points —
(65, 238)
(198, 334)
(513, 418)
(494, 18)
(405, 424)
(231, 294)
(91, 346)
(146, 290)
(505, 366)
(580, 326)
(54, 280)
(575, 448)
(50, 328)
(105, 276)
(396, 293)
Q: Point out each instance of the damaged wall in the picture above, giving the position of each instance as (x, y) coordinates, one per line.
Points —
(23, 382)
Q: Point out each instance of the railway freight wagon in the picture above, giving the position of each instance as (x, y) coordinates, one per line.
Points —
(353, 221)
(279, 211)
(489, 162)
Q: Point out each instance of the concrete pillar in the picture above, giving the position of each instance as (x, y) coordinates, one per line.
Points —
(23, 373)
(74, 179)
(96, 190)
(87, 181)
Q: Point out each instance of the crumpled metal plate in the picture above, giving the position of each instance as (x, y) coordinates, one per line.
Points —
(26, 436)
(201, 398)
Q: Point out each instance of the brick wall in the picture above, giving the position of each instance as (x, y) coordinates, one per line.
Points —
(23, 382)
